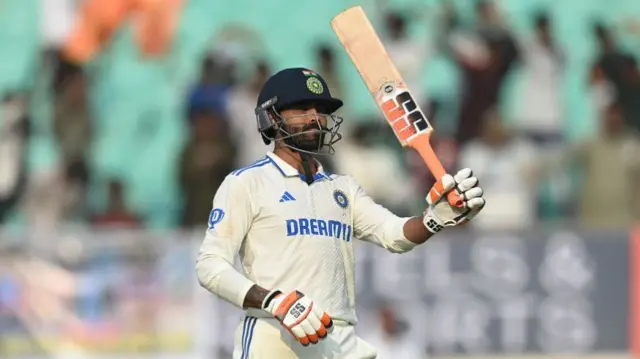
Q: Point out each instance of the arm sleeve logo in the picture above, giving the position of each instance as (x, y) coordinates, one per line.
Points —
(215, 217)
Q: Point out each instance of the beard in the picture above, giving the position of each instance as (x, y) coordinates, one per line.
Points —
(309, 138)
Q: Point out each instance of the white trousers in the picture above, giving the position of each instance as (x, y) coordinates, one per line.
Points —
(265, 338)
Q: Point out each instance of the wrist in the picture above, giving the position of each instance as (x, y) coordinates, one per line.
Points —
(255, 297)
(431, 222)
(415, 231)
(268, 301)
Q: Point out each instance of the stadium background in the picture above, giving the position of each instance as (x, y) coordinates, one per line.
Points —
(116, 113)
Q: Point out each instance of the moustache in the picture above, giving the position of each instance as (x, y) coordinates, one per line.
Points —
(314, 126)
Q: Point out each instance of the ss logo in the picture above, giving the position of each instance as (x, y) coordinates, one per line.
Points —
(297, 310)
(404, 116)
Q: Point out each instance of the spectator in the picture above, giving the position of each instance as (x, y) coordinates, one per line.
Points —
(609, 196)
(630, 94)
(242, 105)
(540, 115)
(615, 77)
(13, 151)
(47, 209)
(72, 113)
(485, 54)
(212, 90)
(327, 67)
(74, 191)
(117, 214)
(500, 158)
(409, 55)
(206, 160)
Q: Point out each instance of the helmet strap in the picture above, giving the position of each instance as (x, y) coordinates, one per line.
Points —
(305, 157)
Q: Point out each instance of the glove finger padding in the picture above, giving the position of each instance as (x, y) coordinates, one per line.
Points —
(309, 332)
(314, 321)
(476, 205)
(463, 174)
(473, 193)
(299, 315)
(300, 335)
(467, 184)
(440, 213)
(325, 324)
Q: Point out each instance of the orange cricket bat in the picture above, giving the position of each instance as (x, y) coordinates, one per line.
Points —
(368, 54)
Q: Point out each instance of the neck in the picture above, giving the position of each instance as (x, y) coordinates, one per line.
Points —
(294, 159)
(613, 133)
(498, 142)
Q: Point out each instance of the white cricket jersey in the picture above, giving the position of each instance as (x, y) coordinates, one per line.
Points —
(291, 235)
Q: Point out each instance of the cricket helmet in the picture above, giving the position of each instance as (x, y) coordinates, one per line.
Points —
(292, 88)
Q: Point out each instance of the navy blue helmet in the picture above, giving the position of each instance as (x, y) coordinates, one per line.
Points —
(299, 88)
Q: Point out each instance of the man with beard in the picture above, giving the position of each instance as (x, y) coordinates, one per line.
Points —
(292, 224)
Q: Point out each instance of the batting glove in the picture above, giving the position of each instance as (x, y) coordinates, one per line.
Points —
(301, 316)
(440, 213)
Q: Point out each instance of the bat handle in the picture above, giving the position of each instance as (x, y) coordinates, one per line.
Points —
(437, 170)
(454, 199)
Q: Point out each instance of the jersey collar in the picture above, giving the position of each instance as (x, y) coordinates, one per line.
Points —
(288, 171)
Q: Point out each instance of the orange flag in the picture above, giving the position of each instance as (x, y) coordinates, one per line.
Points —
(155, 23)
(96, 22)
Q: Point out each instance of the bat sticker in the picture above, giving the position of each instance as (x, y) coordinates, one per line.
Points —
(401, 111)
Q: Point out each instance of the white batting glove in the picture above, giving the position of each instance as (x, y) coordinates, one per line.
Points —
(299, 315)
(440, 213)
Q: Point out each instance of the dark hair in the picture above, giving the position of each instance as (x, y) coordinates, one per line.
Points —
(64, 70)
(262, 66)
(542, 19)
(325, 51)
(481, 5)
(77, 170)
(600, 30)
(397, 21)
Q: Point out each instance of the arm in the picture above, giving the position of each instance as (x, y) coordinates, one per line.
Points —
(255, 297)
(228, 225)
(415, 231)
(376, 224)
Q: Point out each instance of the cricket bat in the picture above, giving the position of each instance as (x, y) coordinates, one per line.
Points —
(406, 118)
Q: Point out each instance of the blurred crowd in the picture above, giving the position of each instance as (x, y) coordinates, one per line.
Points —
(532, 171)
(528, 168)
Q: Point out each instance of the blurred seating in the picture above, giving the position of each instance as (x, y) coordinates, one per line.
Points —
(139, 120)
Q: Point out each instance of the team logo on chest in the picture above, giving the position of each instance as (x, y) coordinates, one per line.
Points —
(340, 198)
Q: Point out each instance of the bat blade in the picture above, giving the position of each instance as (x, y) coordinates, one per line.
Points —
(359, 38)
(384, 82)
